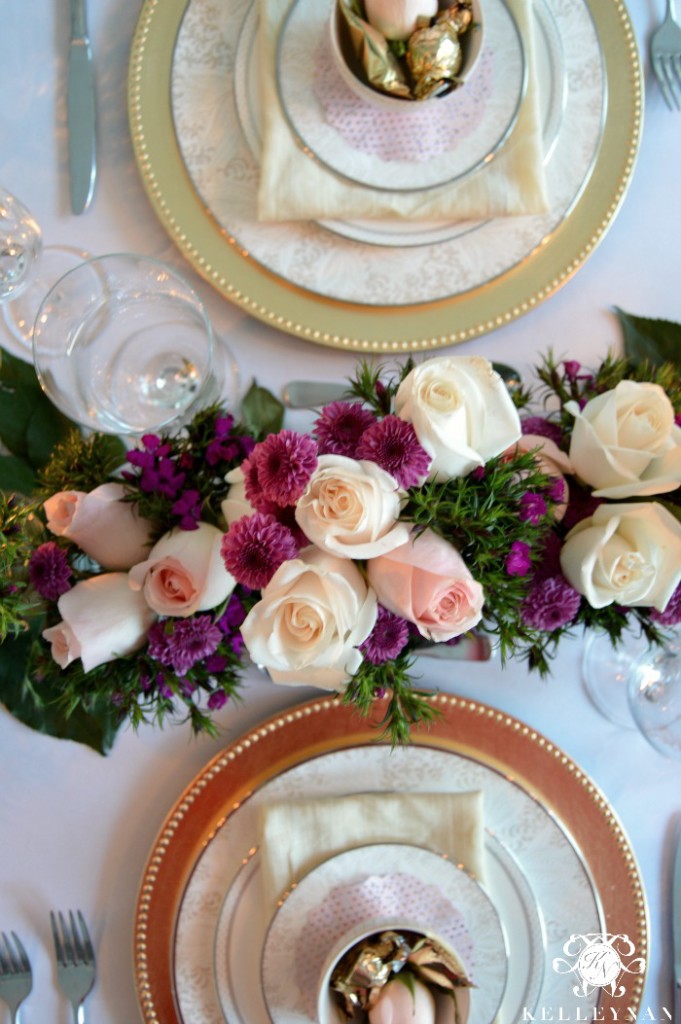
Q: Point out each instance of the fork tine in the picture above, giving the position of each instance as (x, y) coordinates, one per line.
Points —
(89, 949)
(58, 948)
(675, 75)
(670, 88)
(661, 76)
(66, 939)
(5, 963)
(77, 945)
(24, 962)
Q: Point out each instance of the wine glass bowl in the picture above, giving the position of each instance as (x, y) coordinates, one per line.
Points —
(654, 692)
(124, 345)
(20, 245)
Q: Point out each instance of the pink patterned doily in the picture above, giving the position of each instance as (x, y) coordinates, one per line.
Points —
(417, 131)
(378, 897)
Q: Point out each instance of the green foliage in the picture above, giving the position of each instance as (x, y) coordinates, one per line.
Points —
(407, 708)
(81, 463)
(261, 412)
(651, 341)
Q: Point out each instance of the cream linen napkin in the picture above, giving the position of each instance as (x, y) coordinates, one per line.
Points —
(296, 836)
(295, 187)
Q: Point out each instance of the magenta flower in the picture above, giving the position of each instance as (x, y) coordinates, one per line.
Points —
(217, 700)
(572, 368)
(254, 547)
(518, 560)
(550, 604)
(671, 616)
(49, 571)
(392, 444)
(532, 508)
(191, 640)
(233, 615)
(387, 638)
(283, 463)
(188, 510)
(542, 427)
(340, 427)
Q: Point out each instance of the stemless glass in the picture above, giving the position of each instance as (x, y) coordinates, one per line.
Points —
(28, 268)
(122, 344)
(637, 686)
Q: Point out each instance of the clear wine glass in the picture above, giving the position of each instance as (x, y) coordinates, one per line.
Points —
(637, 685)
(28, 268)
(122, 344)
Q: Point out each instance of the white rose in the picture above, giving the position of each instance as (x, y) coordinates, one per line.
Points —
(397, 19)
(351, 509)
(626, 554)
(461, 411)
(312, 615)
(626, 443)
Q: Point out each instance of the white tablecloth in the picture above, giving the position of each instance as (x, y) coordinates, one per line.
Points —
(75, 828)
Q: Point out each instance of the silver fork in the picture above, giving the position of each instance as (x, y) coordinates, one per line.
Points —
(665, 54)
(16, 979)
(75, 960)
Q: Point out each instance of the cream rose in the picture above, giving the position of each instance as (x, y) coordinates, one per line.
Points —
(236, 505)
(351, 508)
(399, 1004)
(184, 572)
(101, 523)
(461, 411)
(629, 554)
(397, 19)
(312, 616)
(427, 582)
(102, 619)
(625, 443)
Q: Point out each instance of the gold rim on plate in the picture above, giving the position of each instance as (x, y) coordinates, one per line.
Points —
(319, 727)
(222, 261)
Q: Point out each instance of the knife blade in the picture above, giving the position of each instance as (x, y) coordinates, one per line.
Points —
(676, 926)
(81, 112)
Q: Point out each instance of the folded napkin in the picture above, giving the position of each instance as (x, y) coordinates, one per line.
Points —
(293, 186)
(296, 836)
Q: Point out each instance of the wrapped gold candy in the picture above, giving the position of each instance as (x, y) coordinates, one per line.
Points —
(434, 54)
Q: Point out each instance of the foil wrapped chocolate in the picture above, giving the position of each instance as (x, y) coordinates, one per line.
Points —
(371, 963)
(434, 54)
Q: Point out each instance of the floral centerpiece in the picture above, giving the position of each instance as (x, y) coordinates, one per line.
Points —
(138, 585)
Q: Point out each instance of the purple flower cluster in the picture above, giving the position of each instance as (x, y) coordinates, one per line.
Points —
(387, 639)
(279, 468)
(550, 604)
(254, 547)
(340, 427)
(226, 446)
(519, 559)
(542, 428)
(181, 643)
(392, 444)
(671, 616)
(49, 571)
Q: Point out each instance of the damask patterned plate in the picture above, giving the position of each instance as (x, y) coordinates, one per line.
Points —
(303, 279)
(551, 817)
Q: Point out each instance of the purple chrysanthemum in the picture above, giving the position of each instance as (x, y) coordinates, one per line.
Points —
(671, 616)
(532, 508)
(550, 604)
(217, 700)
(157, 639)
(387, 638)
(392, 443)
(49, 571)
(188, 510)
(254, 547)
(518, 560)
(284, 463)
(191, 640)
(340, 426)
(542, 427)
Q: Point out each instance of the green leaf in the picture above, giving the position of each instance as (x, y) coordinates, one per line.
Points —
(262, 412)
(658, 341)
(35, 704)
(30, 425)
(16, 476)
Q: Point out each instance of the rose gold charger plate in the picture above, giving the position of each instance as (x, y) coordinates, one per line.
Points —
(311, 731)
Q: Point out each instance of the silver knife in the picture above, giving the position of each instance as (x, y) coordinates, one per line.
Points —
(81, 111)
(676, 919)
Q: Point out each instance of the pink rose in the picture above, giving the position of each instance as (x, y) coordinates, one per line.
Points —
(426, 581)
(398, 1005)
(104, 526)
(184, 572)
(102, 619)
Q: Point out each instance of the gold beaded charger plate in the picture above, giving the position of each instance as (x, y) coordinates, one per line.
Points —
(548, 814)
(313, 282)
